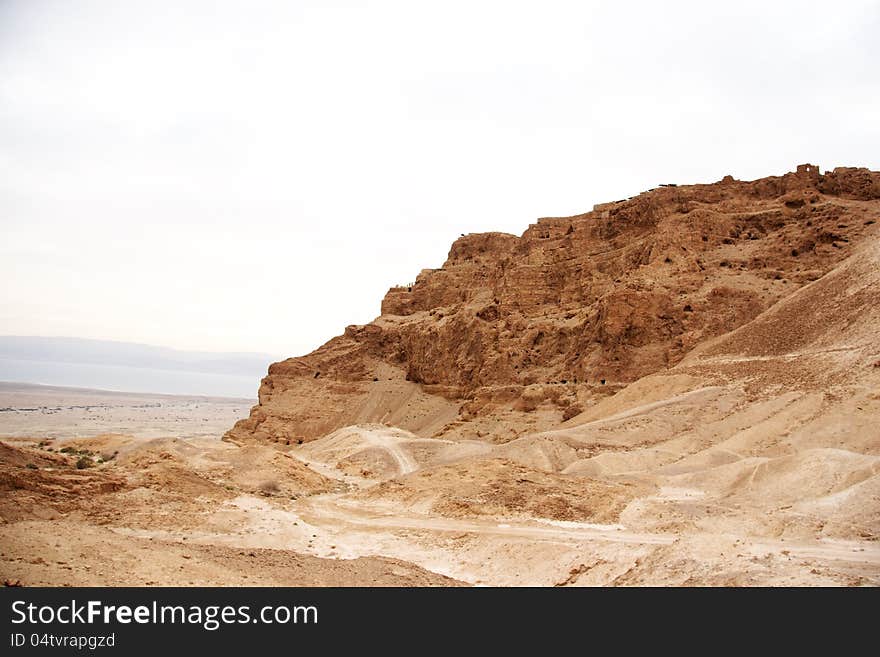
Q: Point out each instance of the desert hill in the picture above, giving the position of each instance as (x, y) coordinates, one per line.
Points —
(514, 335)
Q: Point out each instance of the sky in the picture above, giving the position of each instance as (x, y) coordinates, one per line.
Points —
(253, 176)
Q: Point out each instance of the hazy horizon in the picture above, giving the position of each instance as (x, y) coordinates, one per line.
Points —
(130, 367)
(253, 178)
(142, 344)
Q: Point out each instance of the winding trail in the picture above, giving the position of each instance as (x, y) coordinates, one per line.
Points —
(338, 524)
(331, 510)
(629, 413)
(405, 462)
(336, 513)
(318, 509)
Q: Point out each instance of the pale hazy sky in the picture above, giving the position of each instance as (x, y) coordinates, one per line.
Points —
(254, 176)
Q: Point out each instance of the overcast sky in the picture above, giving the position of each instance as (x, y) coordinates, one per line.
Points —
(254, 176)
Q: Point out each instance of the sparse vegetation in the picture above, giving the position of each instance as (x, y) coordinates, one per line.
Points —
(269, 487)
(84, 462)
(83, 454)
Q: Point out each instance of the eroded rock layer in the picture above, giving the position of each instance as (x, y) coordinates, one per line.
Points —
(516, 334)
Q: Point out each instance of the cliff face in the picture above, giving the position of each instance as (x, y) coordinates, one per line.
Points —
(516, 334)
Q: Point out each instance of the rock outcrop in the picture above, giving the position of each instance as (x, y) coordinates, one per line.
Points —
(516, 334)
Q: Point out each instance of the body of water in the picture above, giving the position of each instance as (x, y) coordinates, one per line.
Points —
(128, 379)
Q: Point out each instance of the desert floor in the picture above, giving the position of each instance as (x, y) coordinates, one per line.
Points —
(163, 501)
(58, 412)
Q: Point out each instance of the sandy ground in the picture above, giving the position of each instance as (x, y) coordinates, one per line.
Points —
(168, 512)
(58, 412)
(200, 511)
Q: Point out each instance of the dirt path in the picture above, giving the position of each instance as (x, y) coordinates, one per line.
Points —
(429, 540)
(831, 550)
(405, 462)
(635, 411)
(331, 511)
(333, 473)
(320, 509)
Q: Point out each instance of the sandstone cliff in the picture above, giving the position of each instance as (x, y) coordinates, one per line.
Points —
(517, 334)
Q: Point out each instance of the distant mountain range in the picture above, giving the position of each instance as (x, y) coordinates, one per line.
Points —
(129, 366)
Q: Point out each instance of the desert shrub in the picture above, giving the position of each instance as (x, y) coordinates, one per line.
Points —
(83, 462)
(269, 487)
